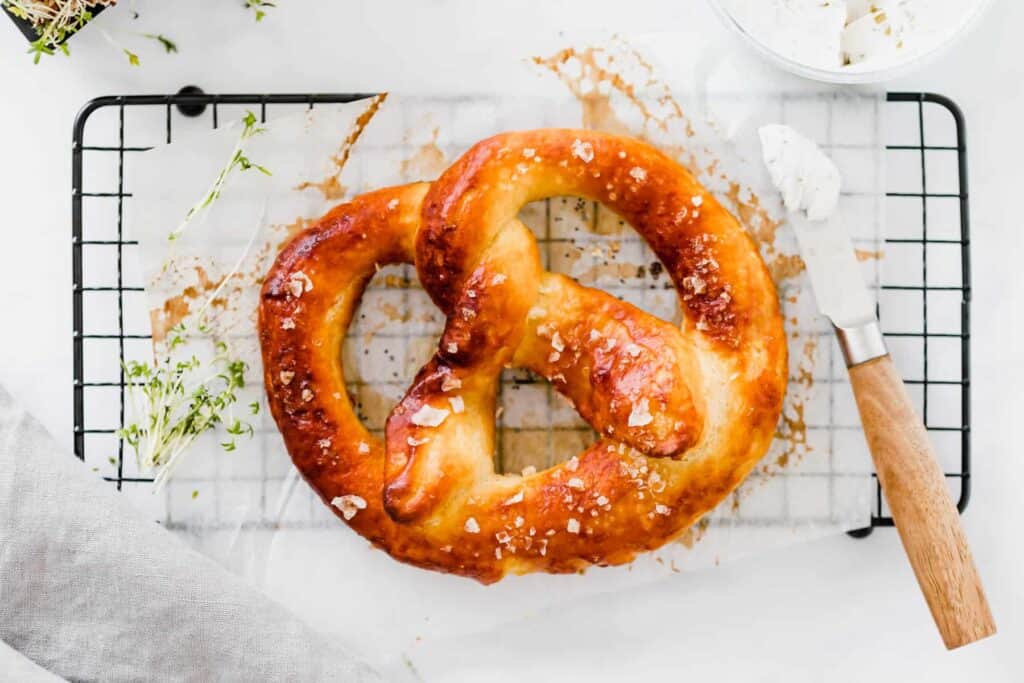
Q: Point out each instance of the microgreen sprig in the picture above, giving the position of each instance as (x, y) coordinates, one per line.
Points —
(257, 6)
(54, 21)
(176, 400)
(237, 160)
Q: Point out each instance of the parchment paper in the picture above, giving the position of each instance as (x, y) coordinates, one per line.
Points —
(249, 509)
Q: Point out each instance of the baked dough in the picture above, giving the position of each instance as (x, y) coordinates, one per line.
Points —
(684, 413)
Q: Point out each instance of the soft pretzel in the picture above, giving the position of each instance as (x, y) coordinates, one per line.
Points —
(684, 413)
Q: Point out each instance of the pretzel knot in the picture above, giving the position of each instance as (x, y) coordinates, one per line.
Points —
(684, 413)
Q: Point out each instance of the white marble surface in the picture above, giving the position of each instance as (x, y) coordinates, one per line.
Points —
(832, 610)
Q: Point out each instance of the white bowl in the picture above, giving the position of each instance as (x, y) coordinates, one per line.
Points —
(866, 72)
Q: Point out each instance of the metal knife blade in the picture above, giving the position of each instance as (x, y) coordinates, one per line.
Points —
(835, 274)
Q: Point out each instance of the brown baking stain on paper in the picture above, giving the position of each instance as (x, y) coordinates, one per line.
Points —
(176, 308)
(331, 187)
(869, 255)
(694, 533)
(427, 162)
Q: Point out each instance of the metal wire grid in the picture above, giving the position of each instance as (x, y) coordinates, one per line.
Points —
(122, 248)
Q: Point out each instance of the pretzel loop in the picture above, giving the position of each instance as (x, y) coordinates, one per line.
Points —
(685, 413)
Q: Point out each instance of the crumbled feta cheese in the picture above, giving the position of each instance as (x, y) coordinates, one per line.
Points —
(429, 416)
(641, 414)
(349, 505)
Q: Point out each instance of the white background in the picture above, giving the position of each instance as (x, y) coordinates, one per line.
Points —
(833, 610)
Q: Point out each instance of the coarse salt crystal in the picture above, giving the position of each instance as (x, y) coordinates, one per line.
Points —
(556, 342)
(584, 151)
(286, 377)
(554, 356)
(594, 335)
(572, 464)
(633, 350)
(393, 204)
(429, 416)
(641, 414)
(349, 505)
(472, 526)
(697, 200)
(458, 405)
(324, 443)
(299, 282)
(695, 284)
(573, 525)
(638, 174)
(364, 447)
(498, 279)
(452, 347)
(610, 345)
(449, 382)
(512, 500)
(529, 152)
(662, 509)
(416, 442)
(622, 155)
(602, 500)
(576, 483)
(529, 471)
(287, 324)
(519, 521)
(702, 325)
(307, 395)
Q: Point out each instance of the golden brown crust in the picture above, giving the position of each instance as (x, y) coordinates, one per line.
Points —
(685, 413)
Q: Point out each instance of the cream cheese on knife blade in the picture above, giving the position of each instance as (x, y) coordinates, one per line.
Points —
(807, 179)
(809, 183)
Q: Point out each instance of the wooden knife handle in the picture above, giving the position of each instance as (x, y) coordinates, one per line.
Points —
(922, 509)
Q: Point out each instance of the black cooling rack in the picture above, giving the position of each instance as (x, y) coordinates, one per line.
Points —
(931, 222)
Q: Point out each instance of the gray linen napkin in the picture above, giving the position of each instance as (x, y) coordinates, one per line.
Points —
(91, 590)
